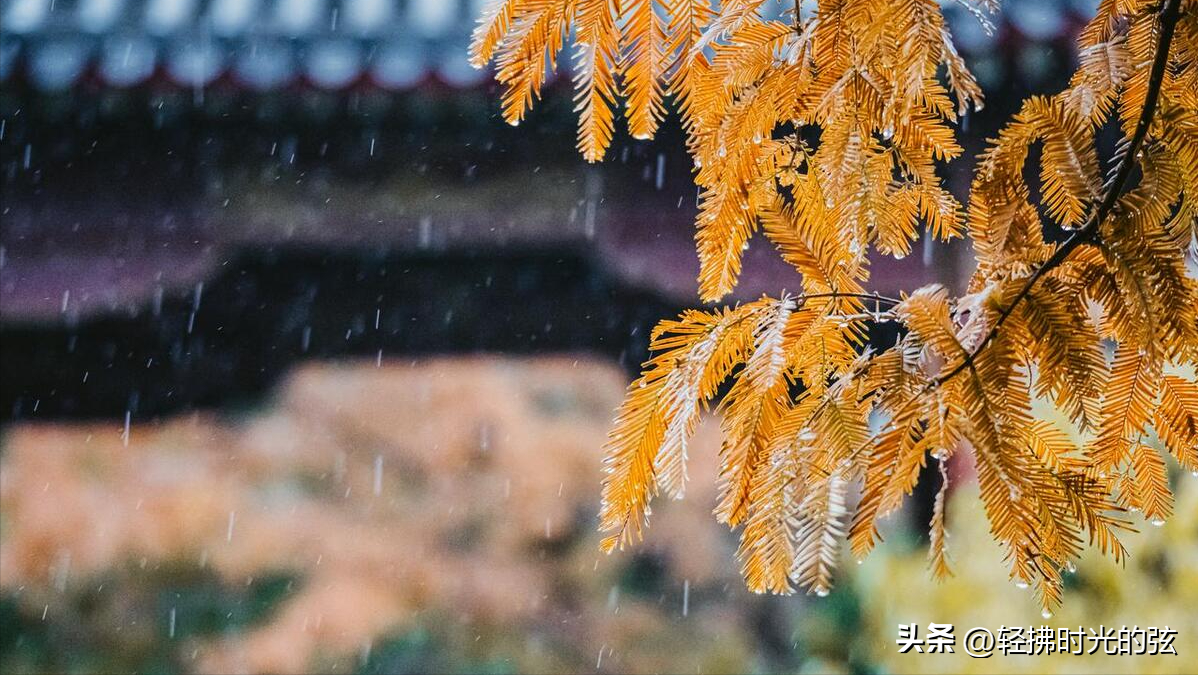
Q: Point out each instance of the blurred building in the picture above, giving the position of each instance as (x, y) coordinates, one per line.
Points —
(394, 45)
(156, 153)
(258, 45)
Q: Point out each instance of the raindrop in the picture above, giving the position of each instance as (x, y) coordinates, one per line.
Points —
(1021, 585)
(821, 592)
(171, 628)
(588, 221)
(62, 570)
(660, 177)
(426, 231)
(1157, 522)
(1070, 567)
(367, 647)
(378, 475)
(232, 522)
(686, 596)
(1046, 614)
(125, 433)
(723, 152)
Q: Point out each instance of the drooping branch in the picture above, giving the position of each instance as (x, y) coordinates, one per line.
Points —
(1088, 233)
(803, 385)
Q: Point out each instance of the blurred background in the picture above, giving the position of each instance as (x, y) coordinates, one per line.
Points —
(307, 360)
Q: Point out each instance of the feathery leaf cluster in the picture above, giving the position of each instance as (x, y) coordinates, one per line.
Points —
(824, 133)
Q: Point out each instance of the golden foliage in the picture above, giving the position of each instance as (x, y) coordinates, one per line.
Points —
(826, 132)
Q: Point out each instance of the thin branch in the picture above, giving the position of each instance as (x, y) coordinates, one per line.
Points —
(1114, 189)
(858, 296)
(877, 317)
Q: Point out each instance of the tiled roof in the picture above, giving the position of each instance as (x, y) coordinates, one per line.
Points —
(258, 44)
(327, 44)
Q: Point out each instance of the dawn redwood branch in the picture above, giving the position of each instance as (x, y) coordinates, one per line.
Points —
(1170, 15)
